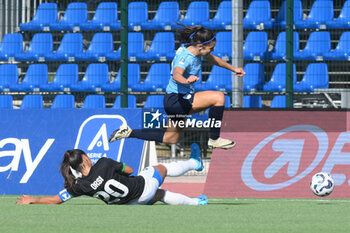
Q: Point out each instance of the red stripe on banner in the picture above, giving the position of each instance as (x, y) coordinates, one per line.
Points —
(278, 152)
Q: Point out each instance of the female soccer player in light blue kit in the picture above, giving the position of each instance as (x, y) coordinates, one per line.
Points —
(180, 99)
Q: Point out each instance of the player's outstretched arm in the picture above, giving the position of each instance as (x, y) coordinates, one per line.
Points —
(26, 199)
(214, 60)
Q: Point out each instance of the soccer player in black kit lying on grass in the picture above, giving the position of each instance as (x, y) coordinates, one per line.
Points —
(111, 181)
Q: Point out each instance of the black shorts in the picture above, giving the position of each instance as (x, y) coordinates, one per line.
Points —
(178, 105)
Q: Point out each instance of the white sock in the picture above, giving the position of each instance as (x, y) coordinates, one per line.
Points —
(181, 167)
(178, 199)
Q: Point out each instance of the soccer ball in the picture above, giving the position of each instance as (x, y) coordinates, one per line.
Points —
(322, 184)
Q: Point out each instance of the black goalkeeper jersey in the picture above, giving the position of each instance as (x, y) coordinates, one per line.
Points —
(107, 182)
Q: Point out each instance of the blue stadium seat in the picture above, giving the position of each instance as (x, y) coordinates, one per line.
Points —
(315, 77)
(8, 76)
(105, 14)
(255, 46)
(75, 14)
(45, 15)
(222, 18)
(342, 51)
(318, 44)
(131, 102)
(343, 20)
(40, 45)
(162, 48)
(6, 102)
(11, 45)
(254, 78)
(258, 15)
(279, 101)
(154, 101)
(63, 101)
(101, 45)
(66, 75)
(279, 50)
(157, 78)
(219, 79)
(321, 12)
(71, 44)
(167, 15)
(223, 47)
(134, 77)
(137, 15)
(277, 82)
(95, 76)
(32, 102)
(94, 101)
(115, 26)
(280, 20)
(197, 13)
(252, 101)
(36, 76)
(135, 48)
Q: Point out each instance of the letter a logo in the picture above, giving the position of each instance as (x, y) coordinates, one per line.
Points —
(100, 139)
(93, 137)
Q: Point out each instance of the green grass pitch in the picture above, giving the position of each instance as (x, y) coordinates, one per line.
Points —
(221, 215)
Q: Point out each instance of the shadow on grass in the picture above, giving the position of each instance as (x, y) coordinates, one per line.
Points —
(223, 203)
(326, 203)
(91, 204)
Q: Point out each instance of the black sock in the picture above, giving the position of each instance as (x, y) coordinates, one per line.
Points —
(215, 114)
(148, 134)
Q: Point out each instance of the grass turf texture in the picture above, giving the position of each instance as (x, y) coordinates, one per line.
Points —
(221, 215)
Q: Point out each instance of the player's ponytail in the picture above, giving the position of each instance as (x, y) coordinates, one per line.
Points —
(195, 35)
(71, 166)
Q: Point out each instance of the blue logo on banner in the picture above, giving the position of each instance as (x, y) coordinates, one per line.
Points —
(93, 137)
(151, 119)
(32, 144)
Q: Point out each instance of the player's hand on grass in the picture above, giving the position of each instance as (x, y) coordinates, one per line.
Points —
(239, 71)
(24, 200)
(192, 79)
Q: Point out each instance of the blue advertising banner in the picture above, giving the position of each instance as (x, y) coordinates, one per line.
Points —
(32, 144)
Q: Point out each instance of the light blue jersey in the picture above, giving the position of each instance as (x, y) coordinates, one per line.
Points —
(192, 65)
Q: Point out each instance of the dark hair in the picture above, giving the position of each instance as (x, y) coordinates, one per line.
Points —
(195, 35)
(71, 158)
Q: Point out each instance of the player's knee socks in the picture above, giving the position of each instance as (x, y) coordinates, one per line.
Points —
(215, 113)
(171, 198)
(148, 134)
(181, 167)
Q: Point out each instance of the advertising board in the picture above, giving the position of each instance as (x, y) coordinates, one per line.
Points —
(277, 153)
(32, 144)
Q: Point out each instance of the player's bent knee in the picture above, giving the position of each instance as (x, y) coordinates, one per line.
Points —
(162, 170)
(170, 138)
(158, 196)
(220, 98)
